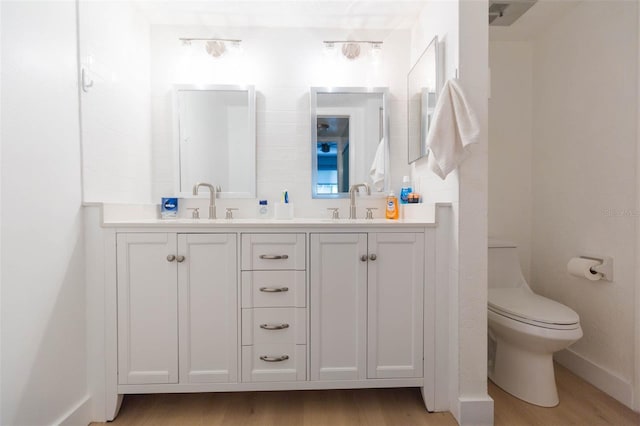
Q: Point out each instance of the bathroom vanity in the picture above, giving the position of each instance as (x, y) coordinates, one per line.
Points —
(248, 305)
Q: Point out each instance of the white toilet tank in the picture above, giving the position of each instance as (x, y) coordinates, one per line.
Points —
(504, 265)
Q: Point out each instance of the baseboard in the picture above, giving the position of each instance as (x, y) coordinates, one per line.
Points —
(475, 411)
(599, 377)
(80, 415)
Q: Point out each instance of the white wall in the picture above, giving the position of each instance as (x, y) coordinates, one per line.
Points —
(116, 134)
(584, 163)
(476, 407)
(43, 297)
(440, 18)
(282, 64)
(510, 145)
(577, 77)
(461, 28)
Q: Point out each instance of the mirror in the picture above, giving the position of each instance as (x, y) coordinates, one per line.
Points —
(349, 140)
(215, 138)
(423, 88)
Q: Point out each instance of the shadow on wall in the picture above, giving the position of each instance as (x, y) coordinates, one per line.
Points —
(60, 362)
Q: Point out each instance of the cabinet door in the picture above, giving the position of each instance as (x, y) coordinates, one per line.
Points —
(147, 309)
(396, 276)
(338, 306)
(208, 301)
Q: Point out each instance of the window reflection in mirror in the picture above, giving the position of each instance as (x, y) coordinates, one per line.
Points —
(333, 154)
(349, 140)
(215, 128)
(422, 92)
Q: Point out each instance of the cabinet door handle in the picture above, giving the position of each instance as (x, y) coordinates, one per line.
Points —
(373, 256)
(270, 358)
(363, 258)
(274, 289)
(180, 258)
(171, 258)
(274, 326)
(274, 256)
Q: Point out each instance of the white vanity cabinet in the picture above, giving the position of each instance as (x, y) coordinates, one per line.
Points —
(177, 308)
(366, 305)
(276, 305)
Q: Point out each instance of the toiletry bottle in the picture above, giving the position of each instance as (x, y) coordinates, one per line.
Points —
(392, 206)
(405, 190)
(263, 209)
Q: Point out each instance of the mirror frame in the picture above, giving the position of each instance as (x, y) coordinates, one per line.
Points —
(251, 94)
(313, 102)
(424, 151)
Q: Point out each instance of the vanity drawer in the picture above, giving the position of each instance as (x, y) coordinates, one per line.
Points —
(274, 363)
(264, 289)
(273, 252)
(274, 325)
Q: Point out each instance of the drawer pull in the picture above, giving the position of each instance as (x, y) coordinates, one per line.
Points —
(268, 358)
(274, 256)
(274, 326)
(274, 289)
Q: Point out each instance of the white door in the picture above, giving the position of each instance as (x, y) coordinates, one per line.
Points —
(208, 308)
(338, 306)
(395, 324)
(147, 308)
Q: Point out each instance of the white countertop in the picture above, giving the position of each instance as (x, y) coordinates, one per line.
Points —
(143, 216)
(263, 223)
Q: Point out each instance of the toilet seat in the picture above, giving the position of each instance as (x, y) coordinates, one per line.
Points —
(522, 305)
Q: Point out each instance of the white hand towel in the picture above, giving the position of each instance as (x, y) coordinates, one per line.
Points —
(454, 127)
(376, 172)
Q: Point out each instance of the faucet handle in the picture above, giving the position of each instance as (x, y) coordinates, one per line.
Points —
(229, 213)
(195, 214)
(370, 212)
(335, 212)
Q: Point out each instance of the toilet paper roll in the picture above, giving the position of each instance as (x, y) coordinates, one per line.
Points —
(581, 267)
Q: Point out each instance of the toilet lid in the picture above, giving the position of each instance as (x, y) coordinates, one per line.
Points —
(521, 304)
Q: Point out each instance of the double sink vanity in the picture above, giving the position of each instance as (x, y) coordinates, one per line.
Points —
(247, 305)
(199, 304)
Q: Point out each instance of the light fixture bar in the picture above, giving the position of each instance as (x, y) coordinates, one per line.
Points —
(209, 39)
(352, 41)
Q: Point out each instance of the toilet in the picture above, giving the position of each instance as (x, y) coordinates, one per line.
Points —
(525, 329)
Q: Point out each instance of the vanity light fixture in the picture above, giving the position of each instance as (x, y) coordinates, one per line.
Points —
(215, 47)
(351, 49)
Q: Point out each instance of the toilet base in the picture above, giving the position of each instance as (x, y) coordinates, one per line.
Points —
(526, 375)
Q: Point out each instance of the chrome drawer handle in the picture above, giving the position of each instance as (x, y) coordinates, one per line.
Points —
(274, 326)
(171, 258)
(274, 256)
(274, 289)
(180, 258)
(268, 358)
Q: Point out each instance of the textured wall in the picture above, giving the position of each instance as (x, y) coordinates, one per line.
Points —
(584, 172)
(282, 64)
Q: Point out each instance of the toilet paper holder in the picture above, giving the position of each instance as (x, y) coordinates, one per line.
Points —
(605, 267)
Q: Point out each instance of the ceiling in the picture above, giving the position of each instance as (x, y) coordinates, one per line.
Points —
(349, 14)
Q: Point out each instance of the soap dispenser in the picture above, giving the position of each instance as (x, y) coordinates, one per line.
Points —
(392, 206)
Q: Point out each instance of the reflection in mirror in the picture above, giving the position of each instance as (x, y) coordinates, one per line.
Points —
(423, 85)
(349, 140)
(215, 138)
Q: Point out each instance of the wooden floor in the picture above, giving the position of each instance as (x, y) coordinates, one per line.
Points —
(580, 404)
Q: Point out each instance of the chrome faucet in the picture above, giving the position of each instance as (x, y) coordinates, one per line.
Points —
(352, 197)
(213, 193)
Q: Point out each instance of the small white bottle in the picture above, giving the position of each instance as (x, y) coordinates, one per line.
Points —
(263, 209)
